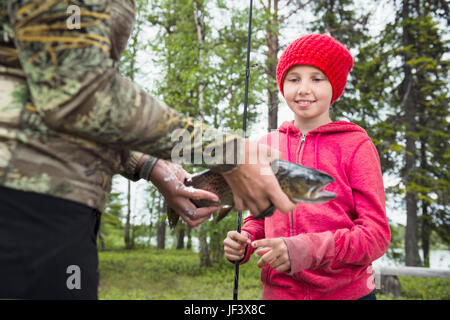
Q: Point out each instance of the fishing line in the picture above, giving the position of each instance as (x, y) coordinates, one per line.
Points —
(244, 129)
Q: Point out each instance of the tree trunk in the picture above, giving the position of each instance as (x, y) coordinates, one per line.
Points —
(205, 260)
(151, 210)
(273, 47)
(189, 241)
(426, 232)
(161, 228)
(161, 235)
(217, 246)
(127, 238)
(200, 37)
(180, 238)
(425, 220)
(412, 257)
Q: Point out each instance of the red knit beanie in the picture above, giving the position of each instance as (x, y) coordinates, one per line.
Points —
(323, 52)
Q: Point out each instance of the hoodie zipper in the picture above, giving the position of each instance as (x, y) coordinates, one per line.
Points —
(302, 144)
(299, 161)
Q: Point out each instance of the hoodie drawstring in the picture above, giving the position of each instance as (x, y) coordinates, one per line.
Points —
(316, 152)
(316, 148)
(288, 146)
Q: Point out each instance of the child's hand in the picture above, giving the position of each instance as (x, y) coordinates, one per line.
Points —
(275, 253)
(234, 245)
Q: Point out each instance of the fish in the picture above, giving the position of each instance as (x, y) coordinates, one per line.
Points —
(300, 183)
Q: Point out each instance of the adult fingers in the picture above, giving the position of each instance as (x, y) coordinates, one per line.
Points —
(192, 215)
(204, 212)
(239, 203)
(280, 200)
(196, 194)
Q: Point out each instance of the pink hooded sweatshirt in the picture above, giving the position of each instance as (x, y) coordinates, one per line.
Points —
(331, 245)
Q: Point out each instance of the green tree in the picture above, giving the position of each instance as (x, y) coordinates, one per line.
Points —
(422, 96)
(203, 69)
(409, 73)
(397, 91)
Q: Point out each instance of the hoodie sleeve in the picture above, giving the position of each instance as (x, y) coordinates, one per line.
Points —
(77, 89)
(367, 240)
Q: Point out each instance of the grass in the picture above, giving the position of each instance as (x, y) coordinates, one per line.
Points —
(151, 274)
(416, 288)
(172, 275)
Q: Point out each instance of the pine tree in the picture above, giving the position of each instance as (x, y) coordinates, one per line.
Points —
(397, 92)
(412, 72)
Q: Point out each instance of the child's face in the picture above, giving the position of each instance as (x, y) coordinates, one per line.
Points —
(308, 93)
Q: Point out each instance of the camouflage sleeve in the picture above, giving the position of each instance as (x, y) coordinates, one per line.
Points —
(130, 161)
(77, 89)
(136, 165)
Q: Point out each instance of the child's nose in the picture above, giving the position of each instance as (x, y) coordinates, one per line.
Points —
(304, 88)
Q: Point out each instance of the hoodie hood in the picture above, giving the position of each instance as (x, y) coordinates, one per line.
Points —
(316, 139)
(288, 127)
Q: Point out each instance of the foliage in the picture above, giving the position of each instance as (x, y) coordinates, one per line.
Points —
(201, 65)
(424, 288)
(398, 92)
(176, 274)
(111, 228)
(171, 274)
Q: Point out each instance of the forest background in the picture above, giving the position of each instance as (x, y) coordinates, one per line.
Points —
(191, 54)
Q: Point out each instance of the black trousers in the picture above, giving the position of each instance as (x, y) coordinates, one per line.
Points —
(370, 296)
(47, 247)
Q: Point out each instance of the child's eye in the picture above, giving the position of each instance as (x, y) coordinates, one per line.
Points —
(293, 80)
(318, 79)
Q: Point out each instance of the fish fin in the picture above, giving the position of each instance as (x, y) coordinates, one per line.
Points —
(173, 217)
(222, 213)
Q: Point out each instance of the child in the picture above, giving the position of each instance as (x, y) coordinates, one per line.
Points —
(320, 251)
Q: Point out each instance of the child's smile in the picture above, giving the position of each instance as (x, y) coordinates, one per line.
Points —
(304, 103)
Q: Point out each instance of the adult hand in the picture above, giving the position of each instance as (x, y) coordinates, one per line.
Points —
(274, 252)
(234, 245)
(169, 179)
(254, 184)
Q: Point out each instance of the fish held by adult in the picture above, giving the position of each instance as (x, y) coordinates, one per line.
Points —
(301, 184)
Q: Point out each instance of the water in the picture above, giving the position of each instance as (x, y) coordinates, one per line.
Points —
(439, 259)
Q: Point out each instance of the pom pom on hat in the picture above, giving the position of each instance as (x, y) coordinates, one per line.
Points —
(323, 52)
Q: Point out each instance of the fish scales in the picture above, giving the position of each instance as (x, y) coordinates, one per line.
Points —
(301, 184)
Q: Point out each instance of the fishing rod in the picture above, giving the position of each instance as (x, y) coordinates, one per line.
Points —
(244, 133)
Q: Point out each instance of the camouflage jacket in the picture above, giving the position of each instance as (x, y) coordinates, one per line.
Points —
(68, 120)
